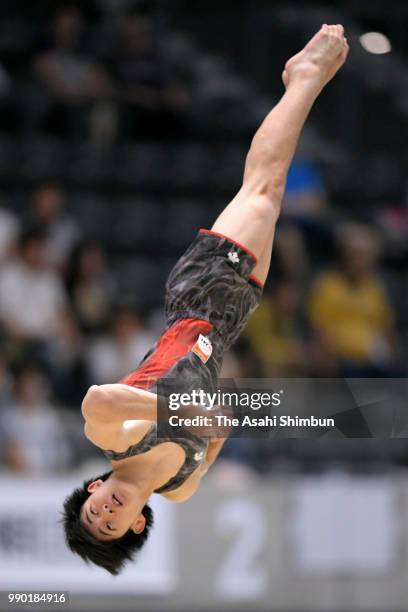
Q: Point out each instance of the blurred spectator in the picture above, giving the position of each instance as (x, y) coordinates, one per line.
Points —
(91, 287)
(291, 256)
(116, 354)
(275, 331)
(66, 361)
(62, 231)
(9, 231)
(35, 441)
(153, 98)
(67, 72)
(350, 310)
(305, 194)
(31, 294)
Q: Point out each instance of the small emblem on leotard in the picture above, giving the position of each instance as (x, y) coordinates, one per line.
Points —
(198, 456)
(203, 348)
(233, 257)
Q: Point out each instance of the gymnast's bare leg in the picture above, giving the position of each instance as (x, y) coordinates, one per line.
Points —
(251, 217)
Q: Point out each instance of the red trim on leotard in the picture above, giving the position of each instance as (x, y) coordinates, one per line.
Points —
(256, 280)
(174, 344)
(241, 246)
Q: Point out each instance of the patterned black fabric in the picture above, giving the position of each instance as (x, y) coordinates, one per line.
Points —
(194, 447)
(210, 282)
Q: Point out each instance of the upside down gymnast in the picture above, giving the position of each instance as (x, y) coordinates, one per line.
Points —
(210, 295)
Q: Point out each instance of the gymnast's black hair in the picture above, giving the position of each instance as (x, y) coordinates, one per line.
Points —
(111, 555)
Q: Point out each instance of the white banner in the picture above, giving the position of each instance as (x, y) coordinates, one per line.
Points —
(343, 524)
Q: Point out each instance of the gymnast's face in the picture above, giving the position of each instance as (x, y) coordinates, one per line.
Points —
(109, 512)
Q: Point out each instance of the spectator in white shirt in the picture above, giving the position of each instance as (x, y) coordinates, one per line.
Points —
(32, 296)
(35, 442)
(91, 287)
(62, 231)
(113, 356)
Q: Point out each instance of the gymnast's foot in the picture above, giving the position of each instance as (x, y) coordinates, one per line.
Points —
(319, 61)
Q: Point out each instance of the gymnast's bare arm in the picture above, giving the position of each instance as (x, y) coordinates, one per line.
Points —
(117, 403)
(105, 409)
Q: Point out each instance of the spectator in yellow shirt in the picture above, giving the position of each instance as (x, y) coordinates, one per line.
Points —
(275, 331)
(349, 307)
